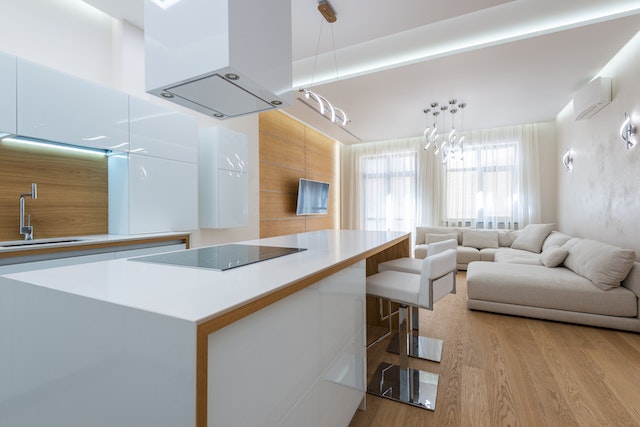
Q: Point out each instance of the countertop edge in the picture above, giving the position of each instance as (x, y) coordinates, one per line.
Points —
(92, 242)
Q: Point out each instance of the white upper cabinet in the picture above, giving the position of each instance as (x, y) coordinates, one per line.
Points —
(159, 131)
(151, 195)
(58, 107)
(232, 150)
(7, 93)
(223, 178)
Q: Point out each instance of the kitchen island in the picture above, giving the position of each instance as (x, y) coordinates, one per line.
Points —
(131, 343)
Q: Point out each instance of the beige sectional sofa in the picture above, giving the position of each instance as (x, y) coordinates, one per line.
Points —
(550, 275)
(473, 245)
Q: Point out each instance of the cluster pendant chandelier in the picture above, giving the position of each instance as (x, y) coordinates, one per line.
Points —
(450, 144)
(335, 114)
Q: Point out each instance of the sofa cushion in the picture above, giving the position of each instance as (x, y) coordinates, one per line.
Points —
(553, 256)
(532, 237)
(480, 238)
(506, 237)
(467, 255)
(555, 239)
(440, 237)
(605, 265)
(516, 256)
(488, 254)
(552, 288)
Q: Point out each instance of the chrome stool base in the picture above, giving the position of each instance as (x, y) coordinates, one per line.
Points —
(420, 347)
(410, 386)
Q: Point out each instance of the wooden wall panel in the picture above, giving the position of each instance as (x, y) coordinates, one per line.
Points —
(281, 126)
(280, 152)
(318, 222)
(274, 205)
(72, 192)
(271, 228)
(320, 165)
(276, 178)
(289, 151)
(317, 143)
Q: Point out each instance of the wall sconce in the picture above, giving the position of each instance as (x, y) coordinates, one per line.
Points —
(626, 130)
(567, 160)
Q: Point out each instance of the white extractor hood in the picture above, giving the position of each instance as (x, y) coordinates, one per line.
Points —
(223, 58)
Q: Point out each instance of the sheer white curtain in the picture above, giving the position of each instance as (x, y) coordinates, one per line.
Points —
(389, 185)
(496, 184)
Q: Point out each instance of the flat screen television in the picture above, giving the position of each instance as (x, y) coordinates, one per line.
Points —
(313, 197)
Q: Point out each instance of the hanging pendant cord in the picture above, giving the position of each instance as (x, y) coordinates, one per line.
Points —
(315, 62)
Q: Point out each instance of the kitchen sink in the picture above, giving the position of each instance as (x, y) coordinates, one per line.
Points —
(14, 244)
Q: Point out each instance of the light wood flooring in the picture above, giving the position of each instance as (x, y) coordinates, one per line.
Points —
(500, 370)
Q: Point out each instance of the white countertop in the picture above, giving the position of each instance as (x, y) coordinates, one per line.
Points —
(195, 294)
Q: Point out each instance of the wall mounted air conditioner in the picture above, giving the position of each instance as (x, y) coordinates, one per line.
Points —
(592, 98)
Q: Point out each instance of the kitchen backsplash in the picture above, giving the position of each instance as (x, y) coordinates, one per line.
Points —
(72, 192)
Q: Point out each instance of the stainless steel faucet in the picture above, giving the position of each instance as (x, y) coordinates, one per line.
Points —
(27, 230)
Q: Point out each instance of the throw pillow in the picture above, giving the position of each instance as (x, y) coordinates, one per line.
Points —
(605, 265)
(444, 230)
(555, 239)
(480, 238)
(506, 237)
(531, 237)
(554, 256)
(435, 238)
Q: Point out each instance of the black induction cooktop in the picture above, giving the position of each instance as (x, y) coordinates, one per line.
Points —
(220, 258)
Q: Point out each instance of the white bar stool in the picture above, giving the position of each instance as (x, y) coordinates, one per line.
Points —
(437, 279)
(425, 348)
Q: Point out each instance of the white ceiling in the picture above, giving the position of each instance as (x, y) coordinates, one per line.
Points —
(513, 62)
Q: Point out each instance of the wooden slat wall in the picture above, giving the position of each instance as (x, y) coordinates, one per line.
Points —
(72, 192)
(289, 150)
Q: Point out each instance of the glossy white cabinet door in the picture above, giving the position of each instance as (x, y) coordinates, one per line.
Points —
(7, 93)
(306, 353)
(232, 150)
(59, 107)
(233, 206)
(160, 131)
(149, 195)
(223, 178)
(74, 361)
(163, 195)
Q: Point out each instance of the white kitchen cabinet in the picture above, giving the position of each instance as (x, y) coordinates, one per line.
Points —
(160, 131)
(233, 203)
(223, 178)
(7, 94)
(150, 194)
(319, 364)
(55, 106)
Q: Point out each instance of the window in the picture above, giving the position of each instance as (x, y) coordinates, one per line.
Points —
(389, 191)
(482, 188)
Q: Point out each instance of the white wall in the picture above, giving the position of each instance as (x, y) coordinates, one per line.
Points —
(73, 37)
(600, 198)
(548, 172)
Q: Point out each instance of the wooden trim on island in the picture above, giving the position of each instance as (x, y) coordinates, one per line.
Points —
(396, 248)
